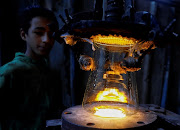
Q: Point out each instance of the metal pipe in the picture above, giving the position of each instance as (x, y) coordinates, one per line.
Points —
(128, 3)
(98, 9)
(166, 77)
(72, 75)
(115, 10)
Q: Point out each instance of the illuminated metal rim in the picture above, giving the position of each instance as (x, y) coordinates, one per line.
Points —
(78, 119)
(113, 40)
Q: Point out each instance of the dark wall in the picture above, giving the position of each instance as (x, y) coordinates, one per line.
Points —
(10, 38)
(159, 77)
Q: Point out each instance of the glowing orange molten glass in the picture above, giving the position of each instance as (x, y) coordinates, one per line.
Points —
(111, 94)
(114, 40)
(109, 112)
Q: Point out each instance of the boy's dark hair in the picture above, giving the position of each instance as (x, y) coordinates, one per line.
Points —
(34, 11)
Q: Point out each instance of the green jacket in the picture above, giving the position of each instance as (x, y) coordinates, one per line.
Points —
(24, 94)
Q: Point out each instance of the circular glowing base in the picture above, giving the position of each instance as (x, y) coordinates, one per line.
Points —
(76, 118)
(110, 109)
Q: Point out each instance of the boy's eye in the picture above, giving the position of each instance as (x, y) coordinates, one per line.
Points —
(39, 33)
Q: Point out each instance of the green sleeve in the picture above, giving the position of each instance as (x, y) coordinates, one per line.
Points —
(6, 80)
(2, 81)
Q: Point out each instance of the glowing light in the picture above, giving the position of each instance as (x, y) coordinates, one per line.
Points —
(111, 94)
(114, 40)
(106, 112)
(133, 44)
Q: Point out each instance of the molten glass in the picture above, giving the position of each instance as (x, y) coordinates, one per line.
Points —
(107, 112)
(120, 43)
(111, 94)
(124, 41)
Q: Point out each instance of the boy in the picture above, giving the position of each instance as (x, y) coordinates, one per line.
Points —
(24, 87)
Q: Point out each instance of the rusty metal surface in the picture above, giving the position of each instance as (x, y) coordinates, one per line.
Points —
(76, 118)
(166, 120)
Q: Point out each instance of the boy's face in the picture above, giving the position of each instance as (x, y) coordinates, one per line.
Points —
(39, 38)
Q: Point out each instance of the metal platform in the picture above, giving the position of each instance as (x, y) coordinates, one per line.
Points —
(164, 120)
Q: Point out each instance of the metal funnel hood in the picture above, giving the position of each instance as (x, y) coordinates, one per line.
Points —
(118, 20)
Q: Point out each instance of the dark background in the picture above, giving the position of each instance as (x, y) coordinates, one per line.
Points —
(158, 80)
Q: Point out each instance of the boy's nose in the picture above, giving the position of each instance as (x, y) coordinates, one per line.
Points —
(46, 38)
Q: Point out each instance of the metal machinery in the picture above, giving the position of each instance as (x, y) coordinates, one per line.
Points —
(119, 41)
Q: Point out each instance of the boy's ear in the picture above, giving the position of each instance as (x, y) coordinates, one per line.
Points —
(22, 34)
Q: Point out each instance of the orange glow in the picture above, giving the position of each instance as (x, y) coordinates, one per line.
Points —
(118, 69)
(134, 45)
(109, 112)
(124, 41)
(111, 94)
